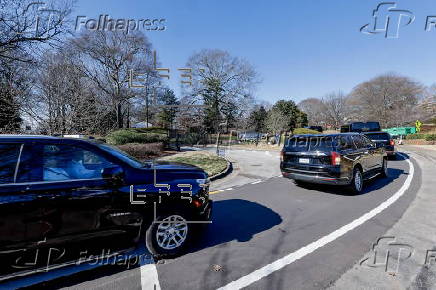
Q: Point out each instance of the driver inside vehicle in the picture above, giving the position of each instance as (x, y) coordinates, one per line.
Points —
(66, 164)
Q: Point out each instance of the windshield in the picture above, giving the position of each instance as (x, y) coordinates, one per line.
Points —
(132, 161)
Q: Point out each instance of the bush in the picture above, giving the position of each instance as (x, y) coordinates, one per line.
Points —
(142, 150)
(415, 136)
(125, 136)
(304, 131)
(430, 137)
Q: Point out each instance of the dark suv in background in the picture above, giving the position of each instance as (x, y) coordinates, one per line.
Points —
(361, 127)
(339, 159)
(383, 139)
(84, 198)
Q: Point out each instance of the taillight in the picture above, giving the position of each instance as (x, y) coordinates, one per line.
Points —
(282, 155)
(392, 143)
(336, 158)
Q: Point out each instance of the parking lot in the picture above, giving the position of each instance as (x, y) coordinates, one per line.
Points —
(268, 232)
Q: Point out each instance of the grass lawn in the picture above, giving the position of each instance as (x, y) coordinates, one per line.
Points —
(209, 162)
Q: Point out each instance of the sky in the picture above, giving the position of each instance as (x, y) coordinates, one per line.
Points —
(301, 49)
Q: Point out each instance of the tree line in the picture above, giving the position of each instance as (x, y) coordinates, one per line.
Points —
(57, 81)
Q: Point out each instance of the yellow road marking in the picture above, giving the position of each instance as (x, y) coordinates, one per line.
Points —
(213, 192)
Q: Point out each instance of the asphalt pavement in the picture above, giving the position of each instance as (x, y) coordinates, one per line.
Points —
(268, 233)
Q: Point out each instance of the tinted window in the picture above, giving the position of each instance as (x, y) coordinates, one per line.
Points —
(359, 142)
(121, 155)
(306, 143)
(345, 142)
(8, 161)
(30, 168)
(63, 162)
(363, 127)
(379, 137)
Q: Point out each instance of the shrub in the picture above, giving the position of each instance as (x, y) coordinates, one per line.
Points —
(415, 136)
(142, 150)
(304, 131)
(430, 137)
(125, 136)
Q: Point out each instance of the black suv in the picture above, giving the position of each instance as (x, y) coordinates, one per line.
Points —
(83, 198)
(383, 139)
(361, 127)
(342, 159)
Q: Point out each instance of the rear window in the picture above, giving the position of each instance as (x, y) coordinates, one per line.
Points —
(362, 127)
(378, 137)
(311, 143)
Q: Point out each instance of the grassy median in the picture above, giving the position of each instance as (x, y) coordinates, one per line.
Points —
(209, 162)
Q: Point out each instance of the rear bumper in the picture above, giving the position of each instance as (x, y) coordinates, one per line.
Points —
(315, 178)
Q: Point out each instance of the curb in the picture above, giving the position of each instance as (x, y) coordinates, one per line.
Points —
(224, 173)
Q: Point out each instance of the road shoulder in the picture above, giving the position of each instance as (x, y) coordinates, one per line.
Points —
(405, 257)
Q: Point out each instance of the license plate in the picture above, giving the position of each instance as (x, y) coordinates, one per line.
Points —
(304, 160)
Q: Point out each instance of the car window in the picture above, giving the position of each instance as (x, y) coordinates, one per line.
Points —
(29, 168)
(367, 142)
(345, 143)
(358, 141)
(379, 137)
(64, 162)
(8, 161)
(311, 143)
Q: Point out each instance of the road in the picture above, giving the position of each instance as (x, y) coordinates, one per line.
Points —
(263, 221)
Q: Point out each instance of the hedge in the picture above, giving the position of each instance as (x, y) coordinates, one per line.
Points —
(305, 131)
(427, 137)
(125, 136)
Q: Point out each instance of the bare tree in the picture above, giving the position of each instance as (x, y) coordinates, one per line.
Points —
(223, 82)
(335, 109)
(389, 98)
(113, 61)
(24, 24)
(315, 110)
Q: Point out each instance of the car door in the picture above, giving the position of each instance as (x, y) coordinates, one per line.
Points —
(21, 226)
(77, 200)
(374, 155)
(361, 152)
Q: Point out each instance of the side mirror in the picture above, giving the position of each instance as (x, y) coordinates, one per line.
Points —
(113, 174)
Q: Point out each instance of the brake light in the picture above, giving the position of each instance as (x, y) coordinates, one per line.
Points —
(282, 155)
(392, 143)
(336, 158)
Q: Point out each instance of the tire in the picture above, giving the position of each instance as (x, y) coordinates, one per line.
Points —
(165, 240)
(300, 183)
(356, 185)
(384, 168)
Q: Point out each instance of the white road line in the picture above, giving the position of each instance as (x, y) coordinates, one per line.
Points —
(149, 277)
(230, 188)
(256, 182)
(292, 257)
